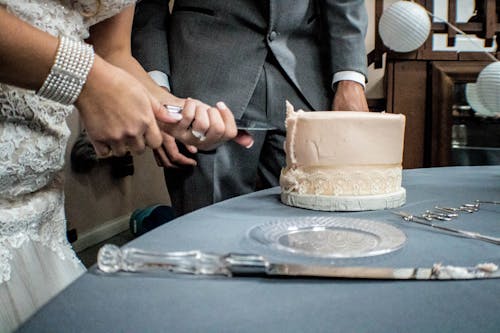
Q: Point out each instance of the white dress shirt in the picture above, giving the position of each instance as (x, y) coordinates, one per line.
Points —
(162, 80)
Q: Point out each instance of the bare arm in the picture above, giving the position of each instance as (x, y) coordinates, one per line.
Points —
(111, 40)
(26, 53)
(113, 123)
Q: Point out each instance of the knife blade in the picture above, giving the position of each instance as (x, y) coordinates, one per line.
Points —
(111, 259)
(253, 125)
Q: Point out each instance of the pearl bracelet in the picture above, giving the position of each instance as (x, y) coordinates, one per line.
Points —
(67, 76)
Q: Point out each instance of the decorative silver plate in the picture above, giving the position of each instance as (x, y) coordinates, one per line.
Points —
(329, 237)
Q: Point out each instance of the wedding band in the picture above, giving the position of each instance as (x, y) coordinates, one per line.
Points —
(108, 155)
(200, 136)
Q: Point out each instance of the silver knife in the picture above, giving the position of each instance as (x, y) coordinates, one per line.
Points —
(111, 259)
(253, 125)
(464, 233)
(241, 124)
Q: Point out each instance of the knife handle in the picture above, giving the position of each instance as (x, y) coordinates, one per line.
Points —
(112, 259)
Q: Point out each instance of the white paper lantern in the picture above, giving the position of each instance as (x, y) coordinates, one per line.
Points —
(488, 87)
(404, 26)
(474, 101)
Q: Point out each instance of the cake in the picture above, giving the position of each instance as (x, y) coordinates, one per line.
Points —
(343, 161)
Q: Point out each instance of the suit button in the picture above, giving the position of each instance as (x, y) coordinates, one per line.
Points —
(272, 36)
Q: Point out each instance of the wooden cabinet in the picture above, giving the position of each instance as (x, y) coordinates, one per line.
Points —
(430, 94)
(407, 94)
(425, 84)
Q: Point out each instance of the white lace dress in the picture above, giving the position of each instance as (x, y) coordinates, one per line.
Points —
(36, 261)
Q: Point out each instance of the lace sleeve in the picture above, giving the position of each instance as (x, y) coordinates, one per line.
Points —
(107, 9)
(52, 16)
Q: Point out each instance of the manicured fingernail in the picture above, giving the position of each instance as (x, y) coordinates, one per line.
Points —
(173, 108)
(221, 105)
(175, 115)
(250, 145)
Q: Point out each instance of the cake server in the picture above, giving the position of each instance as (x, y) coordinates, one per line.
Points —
(112, 259)
(469, 234)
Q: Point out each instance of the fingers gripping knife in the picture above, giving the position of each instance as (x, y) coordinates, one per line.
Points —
(112, 259)
(178, 109)
(241, 124)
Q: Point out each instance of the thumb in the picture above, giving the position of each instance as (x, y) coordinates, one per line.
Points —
(152, 136)
(245, 139)
(101, 149)
(192, 149)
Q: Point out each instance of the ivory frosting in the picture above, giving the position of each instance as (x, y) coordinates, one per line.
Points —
(343, 156)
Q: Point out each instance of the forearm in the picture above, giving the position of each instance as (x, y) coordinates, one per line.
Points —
(111, 40)
(26, 53)
(125, 61)
(346, 24)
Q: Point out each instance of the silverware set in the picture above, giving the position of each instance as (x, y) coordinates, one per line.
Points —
(445, 214)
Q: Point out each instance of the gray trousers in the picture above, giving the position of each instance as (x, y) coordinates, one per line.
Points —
(232, 170)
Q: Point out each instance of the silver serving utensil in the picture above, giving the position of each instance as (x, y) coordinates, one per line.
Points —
(450, 209)
(467, 209)
(446, 212)
(410, 217)
(436, 215)
(474, 206)
(469, 234)
(425, 217)
(112, 259)
(488, 202)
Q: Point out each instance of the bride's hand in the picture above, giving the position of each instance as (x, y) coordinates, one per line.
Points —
(118, 113)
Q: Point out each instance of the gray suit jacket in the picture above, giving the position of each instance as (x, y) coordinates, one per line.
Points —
(214, 49)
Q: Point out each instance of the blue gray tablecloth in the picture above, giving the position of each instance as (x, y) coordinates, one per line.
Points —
(138, 303)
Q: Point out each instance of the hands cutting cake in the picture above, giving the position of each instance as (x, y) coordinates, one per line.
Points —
(202, 127)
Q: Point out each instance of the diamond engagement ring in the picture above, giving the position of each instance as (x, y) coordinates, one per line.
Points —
(178, 109)
(200, 136)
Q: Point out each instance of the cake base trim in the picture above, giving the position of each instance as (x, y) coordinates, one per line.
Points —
(345, 203)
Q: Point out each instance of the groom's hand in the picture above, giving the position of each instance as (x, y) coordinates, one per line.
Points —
(169, 156)
(349, 96)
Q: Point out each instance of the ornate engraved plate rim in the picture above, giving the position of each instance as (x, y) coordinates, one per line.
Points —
(363, 237)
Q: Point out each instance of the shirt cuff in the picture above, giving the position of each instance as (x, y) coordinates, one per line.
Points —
(349, 76)
(160, 78)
